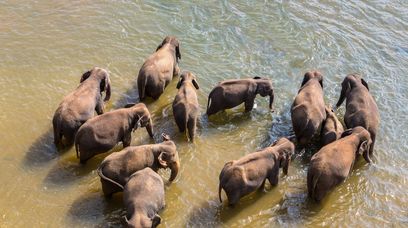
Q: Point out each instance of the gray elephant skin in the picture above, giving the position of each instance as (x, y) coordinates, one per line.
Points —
(185, 105)
(231, 93)
(332, 164)
(158, 70)
(332, 127)
(243, 176)
(80, 105)
(143, 198)
(361, 109)
(308, 109)
(117, 167)
(101, 133)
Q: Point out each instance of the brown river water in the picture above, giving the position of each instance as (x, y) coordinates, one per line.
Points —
(45, 46)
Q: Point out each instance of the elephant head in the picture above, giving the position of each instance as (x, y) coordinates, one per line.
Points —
(285, 153)
(364, 141)
(102, 76)
(141, 117)
(139, 219)
(264, 88)
(173, 42)
(169, 159)
(351, 81)
(312, 75)
(187, 77)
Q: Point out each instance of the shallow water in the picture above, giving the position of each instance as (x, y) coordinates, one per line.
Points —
(45, 46)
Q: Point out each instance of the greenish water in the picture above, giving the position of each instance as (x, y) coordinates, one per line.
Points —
(45, 46)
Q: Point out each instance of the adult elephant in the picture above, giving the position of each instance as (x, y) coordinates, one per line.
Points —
(361, 109)
(308, 109)
(231, 93)
(101, 133)
(80, 105)
(116, 168)
(158, 70)
(331, 165)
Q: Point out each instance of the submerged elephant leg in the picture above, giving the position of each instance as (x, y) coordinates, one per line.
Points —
(372, 145)
(249, 104)
(191, 125)
(127, 140)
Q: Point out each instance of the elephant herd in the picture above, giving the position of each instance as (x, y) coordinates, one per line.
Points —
(133, 169)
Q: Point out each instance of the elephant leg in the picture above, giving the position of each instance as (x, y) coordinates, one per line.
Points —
(109, 188)
(191, 125)
(176, 70)
(372, 145)
(249, 104)
(262, 187)
(127, 139)
(274, 179)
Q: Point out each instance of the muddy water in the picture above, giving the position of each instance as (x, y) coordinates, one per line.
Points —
(45, 46)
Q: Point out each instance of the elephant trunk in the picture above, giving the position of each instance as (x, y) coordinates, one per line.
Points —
(108, 90)
(149, 128)
(271, 96)
(342, 96)
(174, 170)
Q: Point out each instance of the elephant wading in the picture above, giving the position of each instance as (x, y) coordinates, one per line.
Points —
(361, 109)
(116, 168)
(332, 128)
(308, 109)
(243, 176)
(80, 105)
(331, 165)
(185, 106)
(101, 133)
(143, 198)
(158, 70)
(231, 93)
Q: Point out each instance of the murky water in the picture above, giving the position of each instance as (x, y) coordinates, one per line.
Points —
(45, 46)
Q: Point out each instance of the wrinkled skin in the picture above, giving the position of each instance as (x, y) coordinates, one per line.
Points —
(331, 165)
(143, 198)
(185, 105)
(158, 70)
(249, 173)
(116, 168)
(101, 133)
(80, 105)
(332, 127)
(308, 109)
(361, 109)
(231, 93)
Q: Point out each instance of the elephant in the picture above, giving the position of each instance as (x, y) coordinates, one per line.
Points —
(101, 133)
(308, 108)
(361, 109)
(331, 165)
(117, 167)
(143, 198)
(185, 106)
(332, 128)
(79, 106)
(243, 176)
(159, 69)
(231, 93)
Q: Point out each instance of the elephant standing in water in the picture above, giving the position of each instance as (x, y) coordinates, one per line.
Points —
(143, 198)
(158, 70)
(361, 109)
(243, 176)
(333, 163)
(185, 106)
(80, 105)
(102, 133)
(231, 93)
(332, 128)
(116, 168)
(308, 109)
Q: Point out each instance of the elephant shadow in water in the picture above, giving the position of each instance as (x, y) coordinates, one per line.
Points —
(131, 96)
(93, 209)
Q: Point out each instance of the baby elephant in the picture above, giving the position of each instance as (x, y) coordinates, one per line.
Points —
(332, 164)
(80, 105)
(185, 105)
(102, 133)
(143, 198)
(332, 128)
(243, 176)
(308, 111)
(231, 93)
(116, 168)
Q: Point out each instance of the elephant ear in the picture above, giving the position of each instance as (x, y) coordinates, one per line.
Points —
(286, 161)
(347, 132)
(181, 80)
(85, 76)
(365, 84)
(195, 84)
(162, 159)
(156, 220)
(306, 78)
(256, 77)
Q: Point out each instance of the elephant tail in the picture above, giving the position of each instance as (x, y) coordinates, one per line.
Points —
(219, 192)
(100, 173)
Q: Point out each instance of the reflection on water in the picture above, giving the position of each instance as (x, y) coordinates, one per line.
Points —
(47, 45)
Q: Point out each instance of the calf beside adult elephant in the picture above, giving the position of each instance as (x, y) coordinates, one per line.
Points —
(361, 109)
(102, 133)
(116, 168)
(332, 127)
(80, 105)
(158, 70)
(231, 93)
